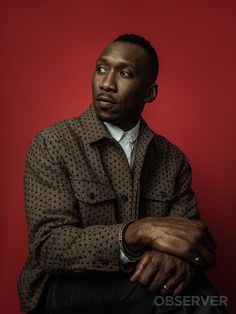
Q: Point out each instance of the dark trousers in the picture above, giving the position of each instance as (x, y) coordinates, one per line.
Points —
(105, 293)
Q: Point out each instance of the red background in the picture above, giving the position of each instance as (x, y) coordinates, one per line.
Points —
(49, 50)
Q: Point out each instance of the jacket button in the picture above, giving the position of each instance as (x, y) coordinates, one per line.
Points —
(163, 194)
(124, 198)
(92, 196)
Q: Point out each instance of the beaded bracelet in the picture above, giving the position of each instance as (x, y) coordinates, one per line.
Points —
(130, 255)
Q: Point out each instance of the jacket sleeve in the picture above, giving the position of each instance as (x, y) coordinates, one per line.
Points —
(184, 203)
(56, 240)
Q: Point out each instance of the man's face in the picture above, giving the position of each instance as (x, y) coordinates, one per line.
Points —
(120, 84)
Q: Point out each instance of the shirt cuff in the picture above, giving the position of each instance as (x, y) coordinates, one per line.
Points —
(124, 259)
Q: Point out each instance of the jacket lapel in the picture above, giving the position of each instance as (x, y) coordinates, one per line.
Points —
(94, 133)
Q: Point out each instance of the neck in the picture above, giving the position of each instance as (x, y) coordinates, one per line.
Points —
(126, 126)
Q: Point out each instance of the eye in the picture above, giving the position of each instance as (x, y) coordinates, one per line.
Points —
(101, 69)
(125, 73)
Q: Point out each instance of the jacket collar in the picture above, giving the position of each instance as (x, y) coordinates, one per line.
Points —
(93, 127)
(95, 130)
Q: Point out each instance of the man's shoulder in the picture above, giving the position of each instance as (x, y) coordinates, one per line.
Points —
(60, 130)
(159, 143)
(168, 148)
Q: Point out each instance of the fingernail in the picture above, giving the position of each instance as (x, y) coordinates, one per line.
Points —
(132, 279)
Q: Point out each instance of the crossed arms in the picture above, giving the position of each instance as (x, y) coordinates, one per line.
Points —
(172, 244)
(59, 242)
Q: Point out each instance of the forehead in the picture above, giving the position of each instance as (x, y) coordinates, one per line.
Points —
(125, 53)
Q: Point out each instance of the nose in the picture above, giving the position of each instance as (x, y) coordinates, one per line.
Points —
(108, 83)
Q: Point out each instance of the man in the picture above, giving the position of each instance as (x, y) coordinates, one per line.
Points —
(112, 219)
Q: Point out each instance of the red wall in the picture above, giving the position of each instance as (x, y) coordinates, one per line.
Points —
(48, 54)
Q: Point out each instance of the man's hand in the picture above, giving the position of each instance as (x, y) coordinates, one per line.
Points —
(182, 237)
(156, 269)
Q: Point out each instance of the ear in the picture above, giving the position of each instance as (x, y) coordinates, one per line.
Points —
(151, 92)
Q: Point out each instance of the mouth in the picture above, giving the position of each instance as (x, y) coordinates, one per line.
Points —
(106, 100)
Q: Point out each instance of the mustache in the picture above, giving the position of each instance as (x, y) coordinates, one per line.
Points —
(106, 97)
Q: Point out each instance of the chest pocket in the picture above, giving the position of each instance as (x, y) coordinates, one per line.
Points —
(156, 201)
(97, 202)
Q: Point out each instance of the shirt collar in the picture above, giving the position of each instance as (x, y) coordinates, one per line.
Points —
(118, 133)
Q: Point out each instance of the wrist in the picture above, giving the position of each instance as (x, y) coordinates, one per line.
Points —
(140, 234)
(129, 254)
(134, 238)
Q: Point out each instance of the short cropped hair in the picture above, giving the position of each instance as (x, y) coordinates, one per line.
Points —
(141, 41)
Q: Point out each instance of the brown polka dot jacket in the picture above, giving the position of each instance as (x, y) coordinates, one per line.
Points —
(78, 190)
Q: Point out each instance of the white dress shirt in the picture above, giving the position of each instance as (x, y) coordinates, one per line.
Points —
(127, 141)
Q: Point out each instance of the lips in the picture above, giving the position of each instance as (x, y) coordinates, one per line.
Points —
(106, 99)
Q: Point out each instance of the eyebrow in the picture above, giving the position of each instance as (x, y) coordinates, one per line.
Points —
(119, 65)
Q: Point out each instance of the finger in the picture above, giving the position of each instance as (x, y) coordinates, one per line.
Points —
(165, 290)
(183, 282)
(180, 246)
(139, 268)
(186, 252)
(208, 259)
(147, 275)
(161, 277)
(170, 285)
(206, 241)
(208, 237)
(179, 281)
(186, 248)
(180, 288)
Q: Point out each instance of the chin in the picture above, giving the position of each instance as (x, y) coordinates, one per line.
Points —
(105, 116)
